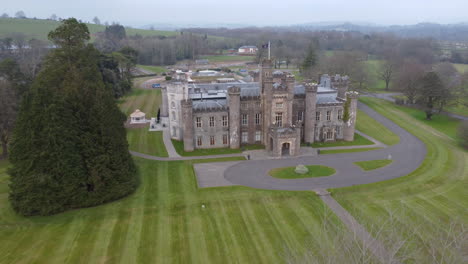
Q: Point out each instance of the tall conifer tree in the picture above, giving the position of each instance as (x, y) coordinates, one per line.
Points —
(69, 147)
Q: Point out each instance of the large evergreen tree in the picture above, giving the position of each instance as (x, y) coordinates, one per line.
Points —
(69, 147)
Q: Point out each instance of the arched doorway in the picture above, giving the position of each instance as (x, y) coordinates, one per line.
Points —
(285, 149)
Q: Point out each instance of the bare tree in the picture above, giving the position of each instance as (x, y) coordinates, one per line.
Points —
(386, 73)
(20, 14)
(5, 15)
(96, 20)
(408, 79)
(53, 17)
(446, 243)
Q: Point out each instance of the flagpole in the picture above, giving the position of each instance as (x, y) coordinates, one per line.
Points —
(269, 48)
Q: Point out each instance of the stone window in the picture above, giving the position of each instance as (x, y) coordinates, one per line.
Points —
(300, 116)
(198, 121)
(279, 105)
(257, 118)
(245, 137)
(173, 115)
(328, 115)
(212, 121)
(317, 116)
(329, 134)
(258, 135)
(338, 130)
(340, 114)
(225, 121)
(258, 104)
(212, 140)
(225, 139)
(172, 104)
(245, 119)
(199, 141)
(279, 119)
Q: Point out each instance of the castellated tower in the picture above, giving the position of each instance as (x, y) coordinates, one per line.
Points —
(290, 83)
(341, 84)
(266, 78)
(234, 113)
(350, 124)
(309, 118)
(187, 118)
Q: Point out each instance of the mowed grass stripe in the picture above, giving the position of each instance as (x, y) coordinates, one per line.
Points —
(219, 250)
(148, 239)
(256, 230)
(284, 223)
(163, 234)
(119, 233)
(229, 233)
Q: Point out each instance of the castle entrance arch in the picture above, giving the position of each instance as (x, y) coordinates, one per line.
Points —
(285, 149)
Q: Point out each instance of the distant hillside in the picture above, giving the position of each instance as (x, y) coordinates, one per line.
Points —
(450, 32)
(39, 28)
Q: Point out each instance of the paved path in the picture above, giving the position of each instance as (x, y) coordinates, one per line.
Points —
(407, 156)
(169, 146)
(373, 245)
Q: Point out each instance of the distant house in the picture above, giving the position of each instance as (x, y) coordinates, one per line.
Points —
(247, 50)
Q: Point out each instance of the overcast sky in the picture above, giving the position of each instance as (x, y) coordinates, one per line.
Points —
(255, 12)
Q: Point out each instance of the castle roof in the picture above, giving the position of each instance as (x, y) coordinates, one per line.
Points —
(202, 105)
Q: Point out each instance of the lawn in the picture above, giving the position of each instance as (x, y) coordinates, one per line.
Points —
(314, 171)
(148, 142)
(358, 140)
(462, 68)
(373, 128)
(422, 204)
(147, 101)
(39, 28)
(179, 147)
(163, 222)
(441, 123)
(154, 69)
(377, 85)
(335, 151)
(227, 58)
(373, 164)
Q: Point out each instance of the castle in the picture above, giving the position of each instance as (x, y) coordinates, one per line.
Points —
(275, 112)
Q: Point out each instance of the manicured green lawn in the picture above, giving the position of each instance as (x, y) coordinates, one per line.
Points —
(314, 171)
(164, 222)
(335, 151)
(358, 140)
(147, 101)
(179, 147)
(373, 164)
(155, 69)
(461, 67)
(371, 127)
(422, 204)
(441, 123)
(148, 142)
(227, 58)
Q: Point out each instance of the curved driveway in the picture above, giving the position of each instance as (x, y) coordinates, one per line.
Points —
(407, 156)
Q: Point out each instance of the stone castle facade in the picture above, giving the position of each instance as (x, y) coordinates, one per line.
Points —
(275, 112)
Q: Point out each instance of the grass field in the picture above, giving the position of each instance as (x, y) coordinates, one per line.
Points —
(154, 69)
(358, 140)
(39, 28)
(227, 58)
(335, 151)
(143, 141)
(377, 85)
(371, 127)
(163, 222)
(147, 101)
(423, 203)
(373, 164)
(314, 171)
(442, 123)
(462, 68)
